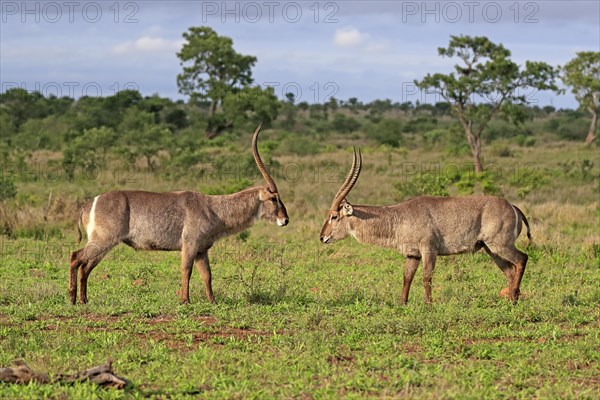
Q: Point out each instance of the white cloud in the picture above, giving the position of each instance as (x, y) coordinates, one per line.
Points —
(148, 44)
(349, 37)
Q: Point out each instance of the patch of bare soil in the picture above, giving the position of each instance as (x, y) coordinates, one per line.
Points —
(214, 337)
(338, 359)
(563, 337)
(37, 273)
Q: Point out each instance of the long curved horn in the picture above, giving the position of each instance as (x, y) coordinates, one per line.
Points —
(260, 164)
(334, 204)
(350, 181)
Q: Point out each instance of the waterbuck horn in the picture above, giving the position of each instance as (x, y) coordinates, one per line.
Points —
(260, 164)
(348, 184)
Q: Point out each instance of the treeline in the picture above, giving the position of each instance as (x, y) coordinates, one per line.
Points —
(154, 131)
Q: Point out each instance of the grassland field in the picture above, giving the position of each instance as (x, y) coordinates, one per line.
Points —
(298, 319)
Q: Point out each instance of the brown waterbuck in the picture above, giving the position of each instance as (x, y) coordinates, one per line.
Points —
(425, 227)
(186, 221)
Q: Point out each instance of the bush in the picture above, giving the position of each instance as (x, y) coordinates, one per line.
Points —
(571, 125)
(8, 189)
(425, 184)
(344, 124)
(421, 124)
(227, 187)
(525, 141)
(469, 182)
(300, 145)
(528, 180)
(439, 184)
(387, 131)
(436, 136)
(90, 149)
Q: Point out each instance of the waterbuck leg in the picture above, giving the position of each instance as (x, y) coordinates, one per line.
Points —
(428, 265)
(410, 268)
(518, 259)
(90, 256)
(74, 266)
(187, 263)
(507, 268)
(203, 266)
(520, 270)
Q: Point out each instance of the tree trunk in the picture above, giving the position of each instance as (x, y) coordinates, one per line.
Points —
(213, 130)
(473, 139)
(591, 136)
(213, 108)
(210, 132)
(475, 144)
(150, 163)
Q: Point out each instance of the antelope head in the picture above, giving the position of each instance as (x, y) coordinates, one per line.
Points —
(336, 226)
(271, 207)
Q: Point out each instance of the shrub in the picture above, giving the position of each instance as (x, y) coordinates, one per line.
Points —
(440, 184)
(469, 182)
(425, 184)
(525, 141)
(436, 136)
(528, 180)
(228, 187)
(90, 149)
(421, 124)
(387, 131)
(344, 124)
(8, 189)
(300, 145)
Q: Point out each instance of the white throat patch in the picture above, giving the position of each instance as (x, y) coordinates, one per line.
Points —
(352, 233)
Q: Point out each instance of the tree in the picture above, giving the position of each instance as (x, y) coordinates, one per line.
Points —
(289, 110)
(353, 104)
(142, 137)
(19, 105)
(89, 150)
(251, 103)
(211, 70)
(583, 74)
(487, 83)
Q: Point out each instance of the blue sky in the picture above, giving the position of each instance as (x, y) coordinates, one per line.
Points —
(363, 49)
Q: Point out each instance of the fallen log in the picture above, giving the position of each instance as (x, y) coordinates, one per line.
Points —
(22, 374)
(101, 375)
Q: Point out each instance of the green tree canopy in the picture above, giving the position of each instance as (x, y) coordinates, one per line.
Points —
(582, 74)
(485, 83)
(212, 69)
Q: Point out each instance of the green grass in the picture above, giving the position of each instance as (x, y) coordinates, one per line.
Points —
(298, 319)
(327, 324)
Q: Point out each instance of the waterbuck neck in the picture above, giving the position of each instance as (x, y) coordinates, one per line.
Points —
(372, 225)
(237, 211)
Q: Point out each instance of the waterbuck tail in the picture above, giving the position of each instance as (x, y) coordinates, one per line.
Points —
(79, 226)
(524, 219)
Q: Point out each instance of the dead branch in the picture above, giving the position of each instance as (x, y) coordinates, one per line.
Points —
(101, 375)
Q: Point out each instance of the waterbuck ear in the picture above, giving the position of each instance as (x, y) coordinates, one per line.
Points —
(264, 194)
(347, 209)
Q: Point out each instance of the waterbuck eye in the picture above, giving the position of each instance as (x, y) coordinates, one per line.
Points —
(333, 217)
(274, 199)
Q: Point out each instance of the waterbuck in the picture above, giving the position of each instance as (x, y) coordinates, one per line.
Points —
(425, 227)
(185, 220)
